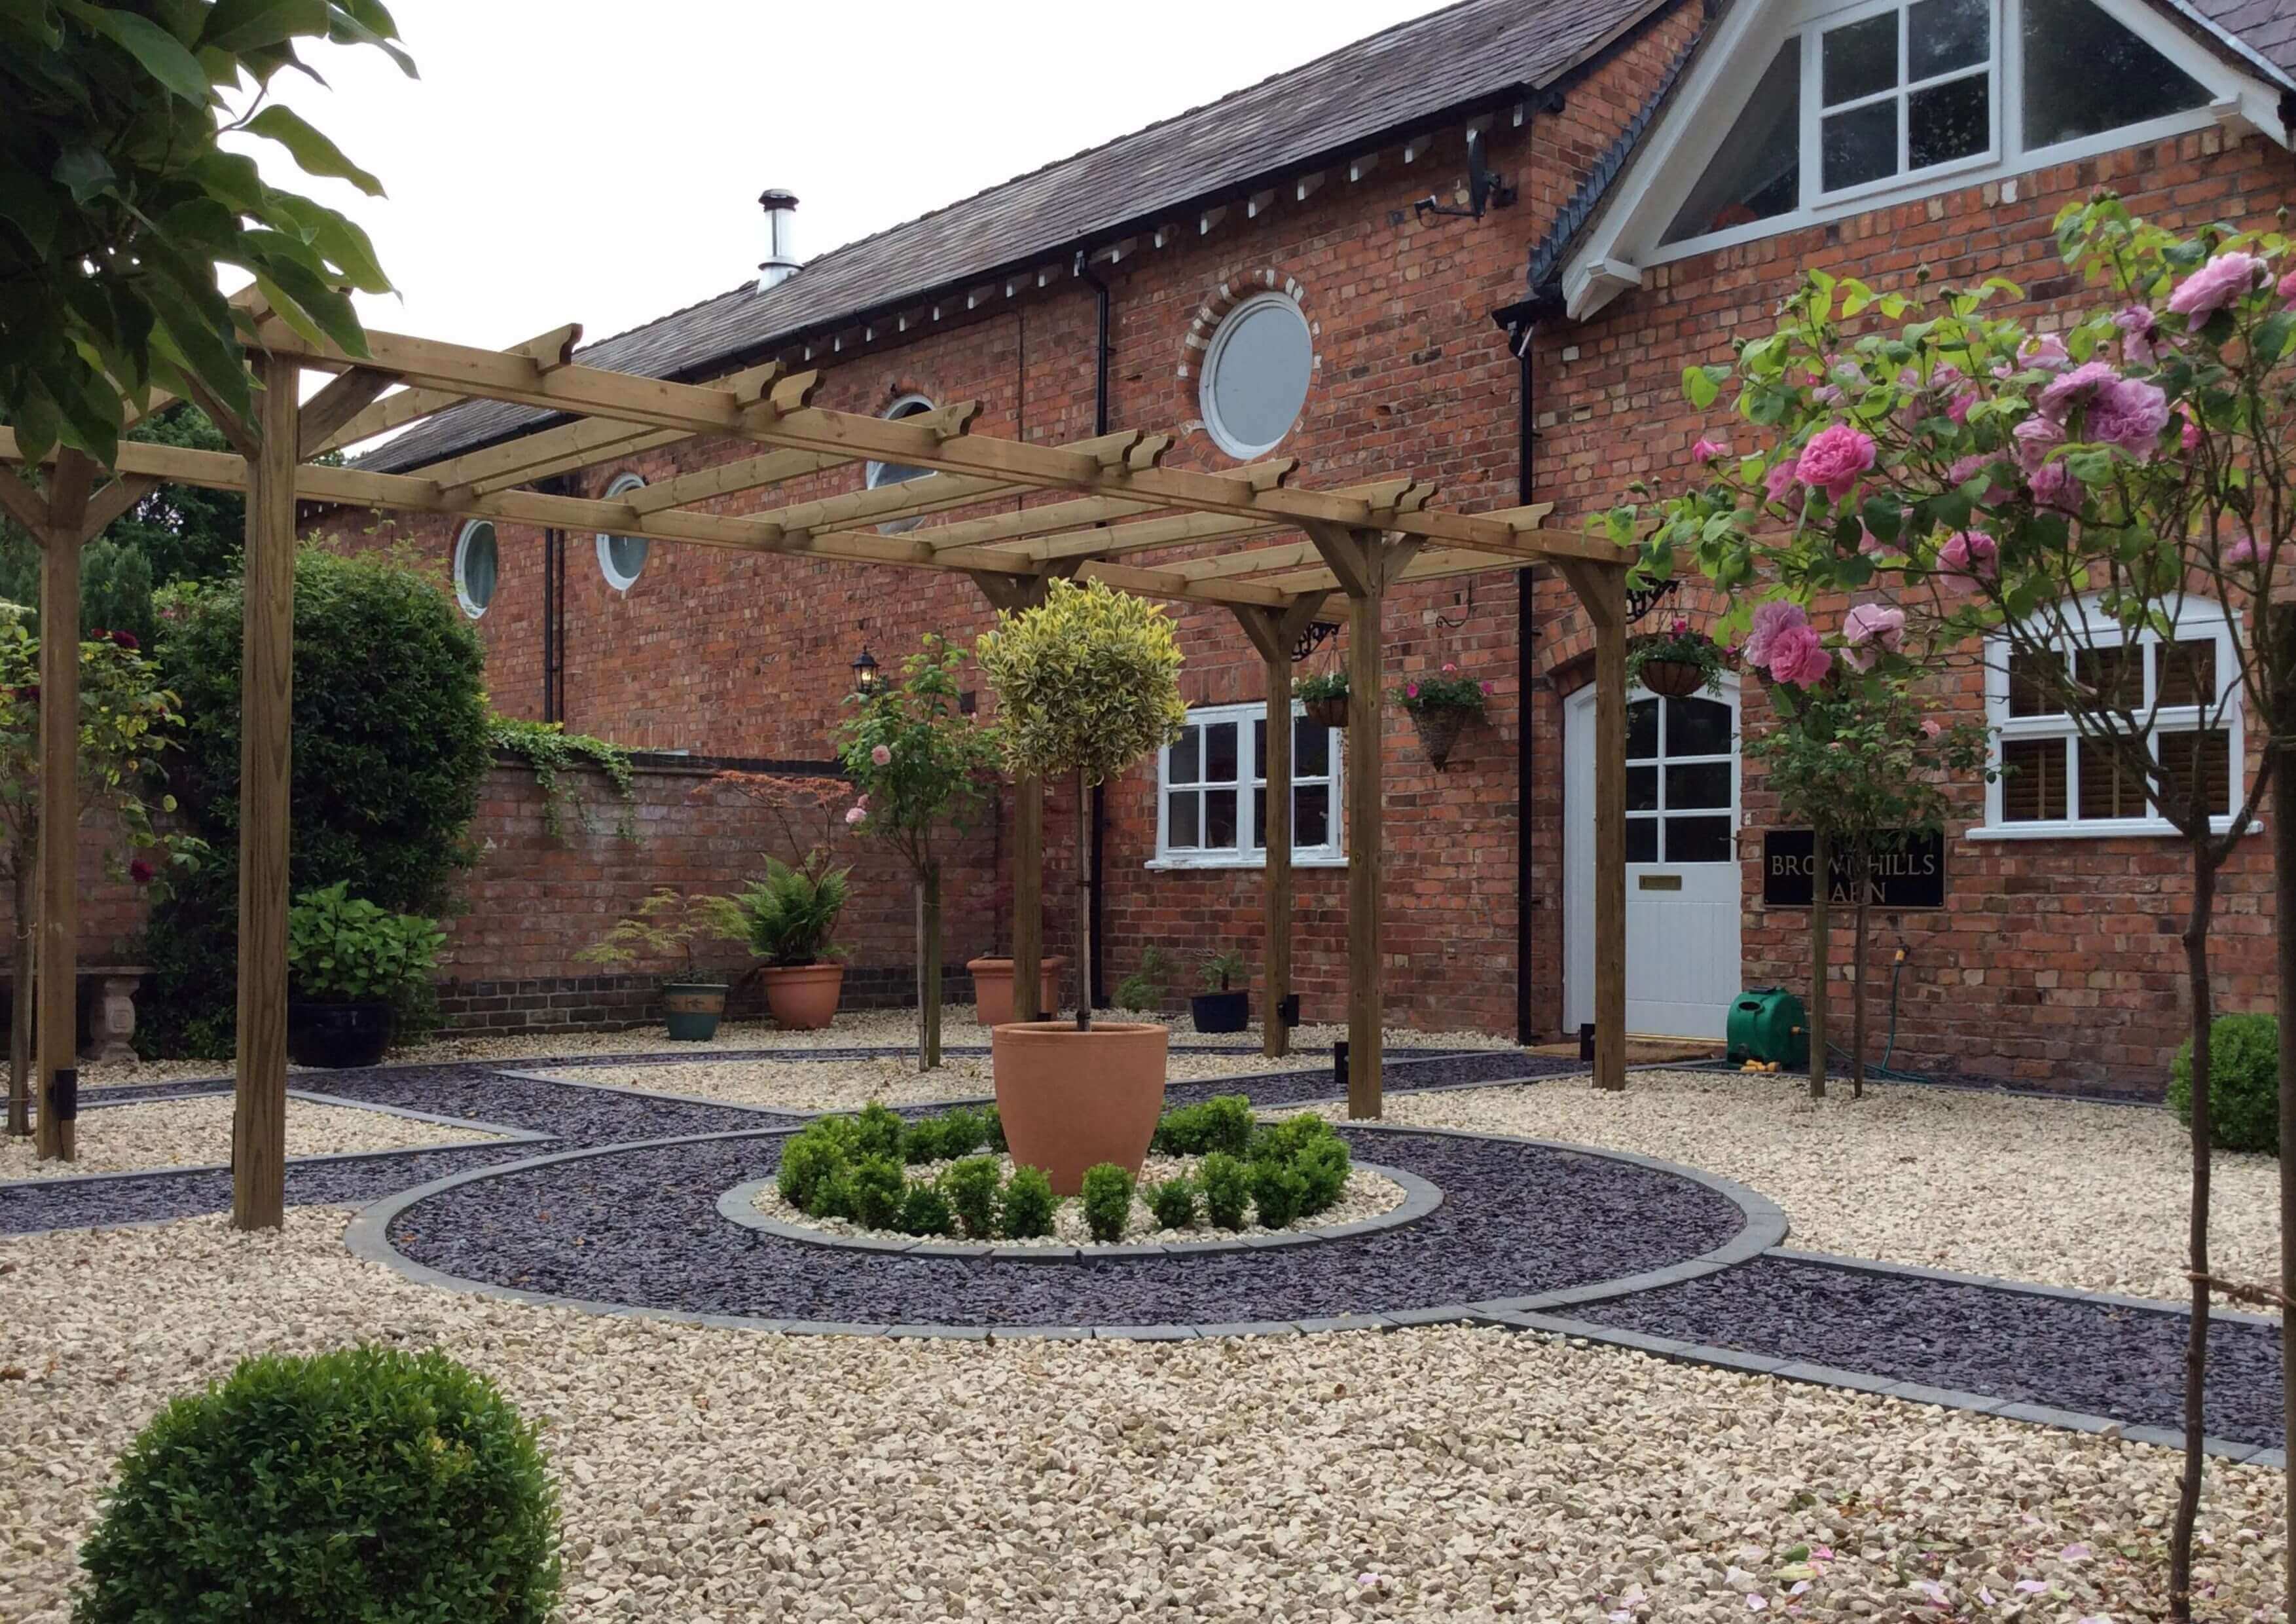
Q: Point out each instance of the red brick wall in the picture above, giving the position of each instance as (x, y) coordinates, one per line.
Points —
(2052, 961)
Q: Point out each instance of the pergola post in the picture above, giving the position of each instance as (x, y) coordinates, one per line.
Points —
(259, 1136)
(1601, 590)
(1274, 634)
(56, 949)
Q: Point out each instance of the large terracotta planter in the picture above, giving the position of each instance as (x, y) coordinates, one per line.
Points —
(992, 988)
(1070, 1100)
(803, 997)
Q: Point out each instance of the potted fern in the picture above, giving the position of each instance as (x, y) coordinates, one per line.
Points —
(1087, 683)
(663, 928)
(787, 918)
(1222, 1006)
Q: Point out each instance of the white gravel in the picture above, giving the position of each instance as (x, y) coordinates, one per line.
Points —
(711, 1476)
(1366, 1194)
(197, 1133)
(2053, 1191)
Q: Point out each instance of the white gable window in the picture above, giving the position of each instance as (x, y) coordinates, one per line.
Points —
(2053, 783)
(1824, 109)
(1211, 800)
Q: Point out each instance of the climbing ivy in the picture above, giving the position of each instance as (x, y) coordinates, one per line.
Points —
(548, 749)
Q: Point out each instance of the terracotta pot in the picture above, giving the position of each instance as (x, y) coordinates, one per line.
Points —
(1675, 678)
(1071, 1100)
(1326, 712)
(992, 987)
(1439, 732)
(803, 997)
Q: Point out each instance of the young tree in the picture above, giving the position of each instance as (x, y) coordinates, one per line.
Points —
(921, 766)
(118, 201)
(126, 720)
(2064, 501)
(1087, 682)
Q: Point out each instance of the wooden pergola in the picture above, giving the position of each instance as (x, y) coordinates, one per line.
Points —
(1245, 539)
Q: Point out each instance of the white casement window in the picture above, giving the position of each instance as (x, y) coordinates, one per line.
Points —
(2053, 783)
(1211, 791)
(1806, 111)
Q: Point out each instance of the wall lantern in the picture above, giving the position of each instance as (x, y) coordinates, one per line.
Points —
(868, 676)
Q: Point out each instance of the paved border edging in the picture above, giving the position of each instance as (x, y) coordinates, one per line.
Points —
(739, 1205)
(2028, 1288)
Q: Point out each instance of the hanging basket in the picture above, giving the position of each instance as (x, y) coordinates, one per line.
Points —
(1675, 678)
(1326, 712)
(1438, 733)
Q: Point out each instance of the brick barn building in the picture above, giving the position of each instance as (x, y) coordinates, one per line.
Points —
(1322, 267)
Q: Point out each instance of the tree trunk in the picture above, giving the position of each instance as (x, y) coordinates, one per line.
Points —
(2282, 662)
(20, 1001)
(929, 967)
(1083, 906)
(1821, 945)
(1860, 962)
(2196, 1342)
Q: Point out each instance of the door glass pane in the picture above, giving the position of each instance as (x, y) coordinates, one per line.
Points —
(1219, 752)
(1642, 840)
(1180, 825)
(1698, 840)
(2188, 672)
(1697, 727)
(1311, 750)
(1943, 35)
(1311, 816)
(1219, 819)
(1948, 121)
(1860, 59)
(1642, 730)
(1701, 783)
(2107, 789)
(2033, 781)
(1186, 756)
(2085, 73)
(1861, 145)
(1756, 173)
(1642, 788)
(2208, 755)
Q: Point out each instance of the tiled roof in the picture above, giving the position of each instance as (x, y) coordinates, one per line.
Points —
(2266, 26)
(1474, 52)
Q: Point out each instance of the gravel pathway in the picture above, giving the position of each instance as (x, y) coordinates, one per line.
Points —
(721, 1477)
(642, 1228)
(196, 1132)
(2062, 1193)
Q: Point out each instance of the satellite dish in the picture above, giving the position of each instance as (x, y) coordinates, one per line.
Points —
(1485, 189)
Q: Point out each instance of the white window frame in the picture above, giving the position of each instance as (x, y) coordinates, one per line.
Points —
(475, 610)
(1331, 854)
(2191, 620)
(1226, 438)
(1624, 242)
(874, 474)
(622, 483)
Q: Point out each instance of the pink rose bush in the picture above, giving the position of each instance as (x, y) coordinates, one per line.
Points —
(1870, 628)
(1785, 645)
(1833, 459)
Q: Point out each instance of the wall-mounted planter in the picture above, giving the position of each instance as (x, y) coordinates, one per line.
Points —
(1675, 678)
(1326, 712)
(1438, 733)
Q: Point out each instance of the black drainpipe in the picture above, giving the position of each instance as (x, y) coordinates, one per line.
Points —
(1099, 792)
(554, 609)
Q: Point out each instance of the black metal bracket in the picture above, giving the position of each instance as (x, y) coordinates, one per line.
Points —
(1318, 633)
(1642, 599)
(63, 1094)
(1287, 1009)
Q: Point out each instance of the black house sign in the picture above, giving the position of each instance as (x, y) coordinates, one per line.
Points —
(1908, 872)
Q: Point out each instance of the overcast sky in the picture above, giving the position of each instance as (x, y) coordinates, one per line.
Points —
(599, 161)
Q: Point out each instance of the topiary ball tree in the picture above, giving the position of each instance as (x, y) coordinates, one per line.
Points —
(2243, 1082)
(1087, 683)
(367, 1483)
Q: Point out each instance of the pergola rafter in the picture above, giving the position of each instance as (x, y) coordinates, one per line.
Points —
(1116, 500)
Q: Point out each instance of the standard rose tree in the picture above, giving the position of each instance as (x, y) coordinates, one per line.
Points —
(2102, 514)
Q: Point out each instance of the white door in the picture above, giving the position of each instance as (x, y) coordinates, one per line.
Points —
(1683, 883)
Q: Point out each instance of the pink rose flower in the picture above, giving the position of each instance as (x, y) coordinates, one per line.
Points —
(1411, 690)
(2048, 352)
(1833, 459)
(1967, 559)
(1799, 656)
(1449, 668)
(1956, 410)
(2076, 388)
(1968, 468)
(2215, 285)
(2244, 550)
(1488, 689)
(1708, 448)
(1874, 623)
(854, 814)
(141, 872)
(2189, 436)
(2140, 336)
(2055, 486)
(861, 801)
(1932, 726)
(2036, 438)
(1779, 480)
(883, 755)
(1771, 619)
(2128, 413)
(2287, 288)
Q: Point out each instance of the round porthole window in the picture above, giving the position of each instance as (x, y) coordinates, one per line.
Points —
(879, 475)
(1256, 376)
(622, 559)
(475, 563)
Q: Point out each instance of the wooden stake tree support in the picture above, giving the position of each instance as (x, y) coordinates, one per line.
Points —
(1114, 500)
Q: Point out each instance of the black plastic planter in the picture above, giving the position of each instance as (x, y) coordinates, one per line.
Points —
(1221, 1011)
(338, 1035)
